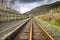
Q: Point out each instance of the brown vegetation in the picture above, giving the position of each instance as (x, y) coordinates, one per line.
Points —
(50, 17)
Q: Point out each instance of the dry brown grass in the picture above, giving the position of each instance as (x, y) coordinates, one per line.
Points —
(49, 17)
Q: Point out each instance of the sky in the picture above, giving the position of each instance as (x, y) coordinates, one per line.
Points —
(26, 5)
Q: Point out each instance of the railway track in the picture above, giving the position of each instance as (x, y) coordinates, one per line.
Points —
(39, 33)
(24, 33)
(33, 31)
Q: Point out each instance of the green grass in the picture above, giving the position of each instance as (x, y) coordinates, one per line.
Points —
(55, 24)
(52, 23)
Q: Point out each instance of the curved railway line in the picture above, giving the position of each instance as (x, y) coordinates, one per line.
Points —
(39, 33)
(33, 31)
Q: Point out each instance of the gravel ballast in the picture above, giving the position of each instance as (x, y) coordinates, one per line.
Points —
(54, 32)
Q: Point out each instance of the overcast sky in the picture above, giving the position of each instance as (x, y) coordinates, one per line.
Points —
(26, 5)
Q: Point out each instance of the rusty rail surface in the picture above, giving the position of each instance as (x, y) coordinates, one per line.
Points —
(30, 36)
(49, 37)
(44, 31)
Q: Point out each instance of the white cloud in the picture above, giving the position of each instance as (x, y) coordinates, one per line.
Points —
(27, 7)
(24, 7)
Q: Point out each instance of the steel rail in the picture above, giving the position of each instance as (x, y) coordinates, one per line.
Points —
(46, 33)
(30, 35)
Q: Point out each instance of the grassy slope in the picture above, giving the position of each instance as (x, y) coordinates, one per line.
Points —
(45, 9)
(51, 13)
(53, 21)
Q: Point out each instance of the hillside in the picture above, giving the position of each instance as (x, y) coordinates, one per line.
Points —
(46, 9)
(49, 13)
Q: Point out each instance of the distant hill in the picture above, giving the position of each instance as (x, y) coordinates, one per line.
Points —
(45, 9)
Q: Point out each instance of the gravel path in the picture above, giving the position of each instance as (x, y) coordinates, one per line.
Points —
(54, 32)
